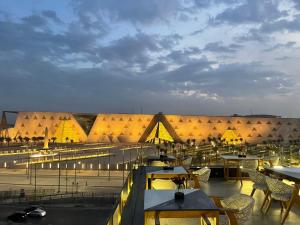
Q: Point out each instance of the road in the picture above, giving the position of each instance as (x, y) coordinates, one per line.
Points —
(63, 215)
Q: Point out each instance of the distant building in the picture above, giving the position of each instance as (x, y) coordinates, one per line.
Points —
(133, 128)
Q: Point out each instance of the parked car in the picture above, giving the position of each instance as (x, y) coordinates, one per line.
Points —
(35, 211)
(18, 216)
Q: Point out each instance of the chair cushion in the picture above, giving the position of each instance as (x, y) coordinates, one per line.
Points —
(260, 186)
(281, 196)
(161, 184)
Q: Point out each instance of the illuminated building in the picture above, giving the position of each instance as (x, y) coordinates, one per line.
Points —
(132, 128)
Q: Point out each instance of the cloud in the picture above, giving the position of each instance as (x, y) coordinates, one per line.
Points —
(287, 45)
(250, 11)
(218, 47)
(137, 12)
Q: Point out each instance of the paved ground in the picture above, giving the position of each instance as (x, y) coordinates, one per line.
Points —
(60, 215)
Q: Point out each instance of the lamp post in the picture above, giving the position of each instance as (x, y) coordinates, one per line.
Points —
(66, 177)
(59, 172)
(109, 164)
(123, 166)
(35, 181)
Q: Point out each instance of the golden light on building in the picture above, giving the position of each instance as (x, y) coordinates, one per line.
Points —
(231, 138)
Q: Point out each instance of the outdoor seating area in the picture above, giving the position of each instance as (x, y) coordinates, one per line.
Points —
(174, 192)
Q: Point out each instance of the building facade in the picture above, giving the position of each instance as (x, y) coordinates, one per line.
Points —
(133, 128)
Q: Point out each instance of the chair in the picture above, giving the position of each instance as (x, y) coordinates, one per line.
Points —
(259, 181)
(278, 191)
(245, 166)
(273, 161)
(158, 163)
(203, 174)
(161, 184)
(187, 161)
(238, 209)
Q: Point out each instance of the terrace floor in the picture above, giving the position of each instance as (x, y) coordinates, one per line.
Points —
(219, 187)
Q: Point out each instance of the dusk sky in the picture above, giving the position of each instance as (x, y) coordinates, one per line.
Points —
(216, 57)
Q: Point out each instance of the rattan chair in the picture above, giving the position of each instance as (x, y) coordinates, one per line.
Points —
(238, 209)
(203, 174)
(161, 184)
(279, 191)
(245, 166)
(158, 163)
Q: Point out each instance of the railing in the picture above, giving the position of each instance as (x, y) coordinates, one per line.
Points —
(56, 196)
(115, 217)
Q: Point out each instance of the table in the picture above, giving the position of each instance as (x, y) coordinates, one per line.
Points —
(196, 204)
(160, 173)
(235, 158)
(292, 174)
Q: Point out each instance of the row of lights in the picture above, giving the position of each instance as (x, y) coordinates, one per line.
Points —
(74, 165)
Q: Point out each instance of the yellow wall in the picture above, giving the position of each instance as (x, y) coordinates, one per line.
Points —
(130, 127)
(32, 124)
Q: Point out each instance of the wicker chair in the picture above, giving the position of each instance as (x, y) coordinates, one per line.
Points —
(158, 163)
(203, 174)
(278, 191)
(187, 161)
(245, 166)
(238, 209)
(161, 184)
(259, 181)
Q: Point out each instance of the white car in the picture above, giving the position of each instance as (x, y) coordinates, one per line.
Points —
(35, 211)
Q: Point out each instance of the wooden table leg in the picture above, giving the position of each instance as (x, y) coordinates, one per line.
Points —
(294, 198)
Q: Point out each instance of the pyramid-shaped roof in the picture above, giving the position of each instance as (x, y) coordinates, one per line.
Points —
(231, 137)
(65, 130)
(159, 133)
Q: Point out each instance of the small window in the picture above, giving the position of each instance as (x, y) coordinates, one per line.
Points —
(121, 119)
(112, 119)
(269, 122)
(208, 121)
(180, 121)
(35, 118)
(259, 135)
(219, 121)
(40, 125)
(214, 128)
(228, 121)
(248, 122)
(190, 120)
(199, 121)
(44, 118)
(238, 122)
(26, 117)
(253, 129)
(258, 122)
